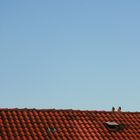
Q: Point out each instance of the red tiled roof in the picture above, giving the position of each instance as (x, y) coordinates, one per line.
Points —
(32, 124)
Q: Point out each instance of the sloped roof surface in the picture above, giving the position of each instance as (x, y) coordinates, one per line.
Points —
(32, 124)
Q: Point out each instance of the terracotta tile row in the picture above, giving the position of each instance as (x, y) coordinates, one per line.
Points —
(35, 124)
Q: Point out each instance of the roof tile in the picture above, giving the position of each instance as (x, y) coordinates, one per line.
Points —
(67, 125)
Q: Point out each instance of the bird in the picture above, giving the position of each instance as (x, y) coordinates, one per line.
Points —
(113, 109)
(119, 109)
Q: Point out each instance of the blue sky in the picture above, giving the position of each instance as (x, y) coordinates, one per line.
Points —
(70, 54)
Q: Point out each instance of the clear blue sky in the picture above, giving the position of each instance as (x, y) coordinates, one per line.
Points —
(79, 54)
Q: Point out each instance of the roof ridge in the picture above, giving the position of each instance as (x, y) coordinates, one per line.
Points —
(74, 110)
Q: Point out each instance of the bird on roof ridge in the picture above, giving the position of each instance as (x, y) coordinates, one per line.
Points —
(113, 109)
(119, 109)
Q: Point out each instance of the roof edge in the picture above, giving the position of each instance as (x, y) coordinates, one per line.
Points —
(53, 109)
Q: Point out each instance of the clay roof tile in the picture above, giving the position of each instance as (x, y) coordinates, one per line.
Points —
(68, 124)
